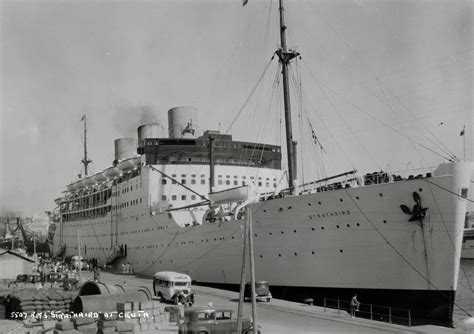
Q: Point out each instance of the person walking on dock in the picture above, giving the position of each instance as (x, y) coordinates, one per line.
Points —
(354, 305)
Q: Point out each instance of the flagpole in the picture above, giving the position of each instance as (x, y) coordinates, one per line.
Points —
(464, 141)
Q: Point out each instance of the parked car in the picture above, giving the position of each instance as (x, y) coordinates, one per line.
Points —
(54, 277)
(174, 287)
(208, 320)
(262, 291)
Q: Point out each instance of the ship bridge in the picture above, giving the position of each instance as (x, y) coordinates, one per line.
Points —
(225, 151)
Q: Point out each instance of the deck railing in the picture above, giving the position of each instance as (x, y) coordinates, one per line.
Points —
(388, 314)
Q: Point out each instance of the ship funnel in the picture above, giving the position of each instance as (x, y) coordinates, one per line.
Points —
(152, 130)
(182, 122)
(125, 148)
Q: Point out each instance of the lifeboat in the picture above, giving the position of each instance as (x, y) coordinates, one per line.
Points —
(88, 181)
(126, 165)
(99, 177)
(111, 172)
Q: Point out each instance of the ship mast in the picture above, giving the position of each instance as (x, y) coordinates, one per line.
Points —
(285, 57)
(85, 161)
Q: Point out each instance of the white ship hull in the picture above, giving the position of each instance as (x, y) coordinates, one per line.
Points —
(344, 241)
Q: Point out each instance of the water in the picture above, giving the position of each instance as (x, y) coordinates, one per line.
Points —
(465, 294)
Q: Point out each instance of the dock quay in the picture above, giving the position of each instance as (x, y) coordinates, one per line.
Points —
(278, 316)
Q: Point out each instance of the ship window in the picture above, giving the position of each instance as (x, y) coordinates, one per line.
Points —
(235, 176)
(202, 175)
(227, 182)
(267, 184)
(274, 185)
(227, 176)
(219, 175)
(193, 181)
(131, 188)
(173, 197)
(243, 183)
(183, 197)
(236, 182)
(193, 197)
(193, 175)
(163, 181)
(259, 184)
(173, 175)
(140, 199)
(203, 181)
(183, 181)
(174, 182)
(219, 182)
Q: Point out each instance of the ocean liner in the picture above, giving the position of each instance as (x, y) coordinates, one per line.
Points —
(396, 241)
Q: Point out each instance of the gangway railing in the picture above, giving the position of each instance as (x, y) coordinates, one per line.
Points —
(374, 312)
(117, 254)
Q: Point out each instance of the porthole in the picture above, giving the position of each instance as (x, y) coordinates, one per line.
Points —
(385, 222)
(261, 256)
(319, 203)
(312, 228)
(337, 226)
(357, 197)
(309, 204)
(279, 255)
(290, 207)
(282, 232)
(322, 227)
(341, 251)
(296, 254)
(255, 234)
(280, 209)
(270, 233)
(348, 225)
(381, 195)
(420, 190)
(294, 231)
(341, 200)
(312, 252)
(358, 224)
(264, 210)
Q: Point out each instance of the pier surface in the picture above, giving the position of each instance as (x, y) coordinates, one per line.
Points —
(278, 316)
(281, 316)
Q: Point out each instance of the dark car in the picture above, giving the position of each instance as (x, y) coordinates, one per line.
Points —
(54, 277)
(206, 320)
(262, 291)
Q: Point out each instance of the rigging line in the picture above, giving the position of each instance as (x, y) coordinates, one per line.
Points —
(449, 191)
(251, 93)
(387, 102)
(209, 251)
(346, 124)
(401, 256)
(371, 70)
(170, 243)
(449, 235)
(273, 91)
(179, 183)
(329, 132)
(446, 150)
(376, 119)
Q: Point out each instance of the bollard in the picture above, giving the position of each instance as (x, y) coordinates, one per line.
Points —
(338, 306)
(390, 315)
(409, 318)
(324, 303)
(371, 313)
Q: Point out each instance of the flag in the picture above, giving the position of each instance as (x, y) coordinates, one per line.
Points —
(244, 2)
(83, 117)
(462, 132)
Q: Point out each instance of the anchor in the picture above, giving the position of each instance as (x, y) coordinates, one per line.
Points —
(418, 213)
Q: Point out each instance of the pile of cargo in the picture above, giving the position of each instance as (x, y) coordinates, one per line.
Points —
(21, 304)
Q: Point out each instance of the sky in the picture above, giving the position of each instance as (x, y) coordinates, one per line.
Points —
(384, 84)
